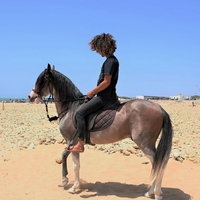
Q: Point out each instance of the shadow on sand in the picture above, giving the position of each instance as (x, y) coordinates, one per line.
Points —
(124, 190)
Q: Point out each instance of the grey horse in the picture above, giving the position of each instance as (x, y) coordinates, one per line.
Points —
(142, 121)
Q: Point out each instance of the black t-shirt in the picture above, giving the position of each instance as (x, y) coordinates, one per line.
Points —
(110, 67)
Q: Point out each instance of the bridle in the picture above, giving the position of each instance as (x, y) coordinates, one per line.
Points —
(83, 98)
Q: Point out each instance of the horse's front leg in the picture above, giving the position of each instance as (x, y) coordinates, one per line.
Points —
(64, 168)
(76, 166)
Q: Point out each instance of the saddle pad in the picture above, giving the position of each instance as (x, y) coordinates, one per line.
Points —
(104, 120)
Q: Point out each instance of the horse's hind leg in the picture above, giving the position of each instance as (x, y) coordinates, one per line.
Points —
(76, 166)
(151, 185)
(157, 189)
(155, 186)
(154, 189)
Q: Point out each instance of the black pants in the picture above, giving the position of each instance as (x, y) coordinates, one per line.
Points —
(85, 109)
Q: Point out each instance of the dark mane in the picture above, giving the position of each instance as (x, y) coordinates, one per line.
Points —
(64, 86)
(66, 90)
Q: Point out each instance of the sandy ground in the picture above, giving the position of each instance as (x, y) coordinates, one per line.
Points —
(30, 145)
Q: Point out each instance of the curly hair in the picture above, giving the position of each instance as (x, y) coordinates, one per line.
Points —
(104, 44)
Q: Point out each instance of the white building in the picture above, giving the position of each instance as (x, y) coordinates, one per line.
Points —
(151, 97)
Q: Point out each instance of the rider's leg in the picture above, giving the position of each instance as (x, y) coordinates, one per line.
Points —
(87, 108)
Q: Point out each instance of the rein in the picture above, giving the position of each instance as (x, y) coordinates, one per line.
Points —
(84, 98)
(47, 112)
(47, 78)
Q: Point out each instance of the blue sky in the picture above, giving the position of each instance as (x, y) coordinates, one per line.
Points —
(158, 44)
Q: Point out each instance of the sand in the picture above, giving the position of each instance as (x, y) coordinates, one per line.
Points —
(30, 145)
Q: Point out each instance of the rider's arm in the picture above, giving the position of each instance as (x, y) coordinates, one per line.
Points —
(102, 86)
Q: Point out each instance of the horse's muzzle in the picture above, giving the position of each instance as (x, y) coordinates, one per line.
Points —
(32, 96)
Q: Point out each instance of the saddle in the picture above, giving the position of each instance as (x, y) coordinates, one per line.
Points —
(99, 120)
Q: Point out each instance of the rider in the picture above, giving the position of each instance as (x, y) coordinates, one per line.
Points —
(105, 91)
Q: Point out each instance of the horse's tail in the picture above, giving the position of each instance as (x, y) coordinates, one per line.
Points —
(163, 150)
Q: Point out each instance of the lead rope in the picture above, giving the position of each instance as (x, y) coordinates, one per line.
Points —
(55, 118)
(50, 118)
(84, 98)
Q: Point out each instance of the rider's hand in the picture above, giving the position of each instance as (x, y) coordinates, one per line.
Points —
(90, 94)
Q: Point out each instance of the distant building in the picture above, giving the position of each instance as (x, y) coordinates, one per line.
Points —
(177, 97)
(180, 97)
(151, 97)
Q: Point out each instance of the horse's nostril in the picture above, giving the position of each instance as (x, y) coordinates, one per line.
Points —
(29, 96)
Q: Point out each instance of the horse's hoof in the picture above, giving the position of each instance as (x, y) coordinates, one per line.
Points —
(64, 183)
(158, 197)
(148, 195)
(71, 191)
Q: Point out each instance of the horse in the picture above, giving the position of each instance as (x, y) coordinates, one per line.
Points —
(143, 121)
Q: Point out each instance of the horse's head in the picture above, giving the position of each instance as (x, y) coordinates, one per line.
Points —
(42, 86)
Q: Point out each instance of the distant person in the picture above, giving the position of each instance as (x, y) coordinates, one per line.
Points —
(193, 104)
(105, 91)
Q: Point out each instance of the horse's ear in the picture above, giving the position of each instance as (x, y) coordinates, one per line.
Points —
(48, 68)
(53, 67)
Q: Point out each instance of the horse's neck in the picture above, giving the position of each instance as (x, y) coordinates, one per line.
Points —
(62, 102)
(64, 105)
(58, 107)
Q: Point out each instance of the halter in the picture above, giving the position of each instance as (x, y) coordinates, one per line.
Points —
(84, 98)
(47, 78)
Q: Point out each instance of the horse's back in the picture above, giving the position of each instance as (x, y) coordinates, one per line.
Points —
(142, 108)
(142, 117)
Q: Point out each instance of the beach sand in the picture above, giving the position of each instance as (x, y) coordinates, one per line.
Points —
(30, 145)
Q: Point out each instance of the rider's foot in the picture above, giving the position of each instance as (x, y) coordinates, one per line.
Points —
(78, 148)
